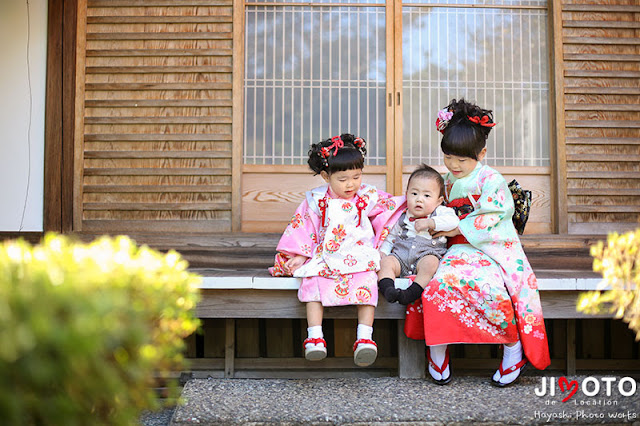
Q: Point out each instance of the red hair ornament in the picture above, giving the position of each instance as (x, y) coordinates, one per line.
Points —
(484, 121)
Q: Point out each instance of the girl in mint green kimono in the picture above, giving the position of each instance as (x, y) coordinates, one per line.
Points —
(484, 290)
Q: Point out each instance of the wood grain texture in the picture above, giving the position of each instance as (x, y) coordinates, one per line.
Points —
(79, 131)
(283, 304)
(222, 254)
(154, 116)
(558, 154)
(237, 129)
(602, 93)
(271, 210)
(53, 133)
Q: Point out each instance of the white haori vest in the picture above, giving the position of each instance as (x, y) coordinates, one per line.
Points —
(343, 246)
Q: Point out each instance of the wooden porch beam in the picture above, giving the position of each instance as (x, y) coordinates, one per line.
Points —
(59, 115)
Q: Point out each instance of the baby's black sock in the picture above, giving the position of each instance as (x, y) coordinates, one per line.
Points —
(411, 294)
(387, 288)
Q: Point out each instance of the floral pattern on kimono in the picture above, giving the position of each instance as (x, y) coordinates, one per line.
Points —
(485, 291)
(343, 255)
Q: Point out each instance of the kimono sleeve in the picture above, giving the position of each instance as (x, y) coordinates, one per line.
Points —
(446, 219)
(491, 218)
(385, 214)
(299, 238)
(387, 244)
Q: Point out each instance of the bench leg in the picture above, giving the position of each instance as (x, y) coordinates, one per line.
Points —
(571, 347)
(229, 348)
(411, 358)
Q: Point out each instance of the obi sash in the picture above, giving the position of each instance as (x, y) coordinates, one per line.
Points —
(462, 207)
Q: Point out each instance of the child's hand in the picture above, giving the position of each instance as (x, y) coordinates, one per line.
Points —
(424, 224)
(294, 263)
(451, 233)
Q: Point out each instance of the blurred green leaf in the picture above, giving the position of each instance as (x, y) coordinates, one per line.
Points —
(619, 262)
(85, 328)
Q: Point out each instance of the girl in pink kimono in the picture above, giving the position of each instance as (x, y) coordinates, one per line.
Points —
(331, 243)
(484, 290)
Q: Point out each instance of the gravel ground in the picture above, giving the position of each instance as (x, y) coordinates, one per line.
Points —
(393, 400)
(160, 418)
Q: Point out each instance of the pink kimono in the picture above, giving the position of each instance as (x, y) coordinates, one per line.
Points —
(340, 237)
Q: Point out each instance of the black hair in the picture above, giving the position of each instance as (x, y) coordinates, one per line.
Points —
(424, 171)
(348, 157)
(462, 137)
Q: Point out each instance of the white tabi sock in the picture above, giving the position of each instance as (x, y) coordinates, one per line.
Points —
(314, 332)
(511, 356)
(364, 332)
(438, 354)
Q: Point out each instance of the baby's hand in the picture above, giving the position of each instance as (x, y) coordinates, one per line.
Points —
(294, 263)
(424, 224)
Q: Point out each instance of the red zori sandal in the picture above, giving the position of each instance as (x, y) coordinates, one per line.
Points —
(521, 365)
(440, 369)
(365, 352)
(316, 352)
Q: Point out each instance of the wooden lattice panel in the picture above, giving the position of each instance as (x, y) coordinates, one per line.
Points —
(154, 116)
(601, 54)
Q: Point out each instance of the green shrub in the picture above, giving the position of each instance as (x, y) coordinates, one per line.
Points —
(619, 263)
(85, 328)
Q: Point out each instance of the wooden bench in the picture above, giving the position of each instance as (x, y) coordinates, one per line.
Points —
(236, 286)
(255, 294)
(237, 289)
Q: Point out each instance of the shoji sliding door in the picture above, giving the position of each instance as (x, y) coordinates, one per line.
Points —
(382, 70)
(496, 54)
(312, 71)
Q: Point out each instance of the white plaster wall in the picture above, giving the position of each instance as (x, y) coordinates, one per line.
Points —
(17, 152)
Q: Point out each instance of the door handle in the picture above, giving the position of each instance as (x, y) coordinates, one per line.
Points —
(398, 98)
(390, 99)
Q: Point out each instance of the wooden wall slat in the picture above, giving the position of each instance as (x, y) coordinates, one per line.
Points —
(114, 137)
(172, 52)
(157, 120)
(608, 7)
(601, 24)
(600, 40)
(148, 3)
(156, 206)
(601, 107)
(172, 19)
(601, 57)
(201, 189)
(135, 103)
(601, 92)
(158, 70)
(155, 115)
(155, 154)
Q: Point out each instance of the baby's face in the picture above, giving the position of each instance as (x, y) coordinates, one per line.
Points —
(423, 196)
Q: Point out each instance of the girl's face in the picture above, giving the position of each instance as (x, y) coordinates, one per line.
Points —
(423, 196)
(344, 184)
(462, 166)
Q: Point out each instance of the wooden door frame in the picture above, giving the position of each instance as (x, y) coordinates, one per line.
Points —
(59, 115)
(559, 214)
(394, 130)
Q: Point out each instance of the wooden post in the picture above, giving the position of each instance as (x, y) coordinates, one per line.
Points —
(237, 126)
(559, 158)
(411, 362)
(571, 347)
(230, 349)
